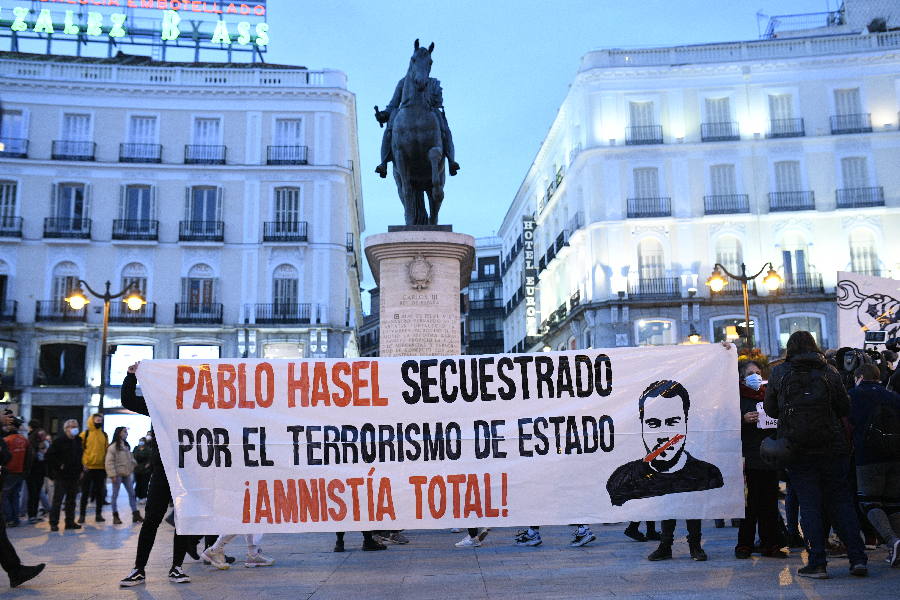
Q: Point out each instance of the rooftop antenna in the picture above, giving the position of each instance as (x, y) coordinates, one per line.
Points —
(760, 16)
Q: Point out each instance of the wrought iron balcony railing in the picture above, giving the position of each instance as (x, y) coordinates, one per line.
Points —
(861, 123)
(201, 231)
(58, 311)
(133, 229)
(662, 287)
(285, 231)
(283, 314)
(204, 155)
(140, 153)
(67, 150)
(734, 288)
(190, 313)
(649, 207)
(804, 283)
(719, 132)
(727, 204)
(11, 227)
(13, 147)
(286, 155)
(67, 228)
(8, 311)
(489, 304)
(120, 313)
(788, 201)
(485, 337)
(786, 128)
(860, 197)
(637, 135)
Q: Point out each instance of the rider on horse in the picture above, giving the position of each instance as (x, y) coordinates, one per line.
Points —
(434, 97)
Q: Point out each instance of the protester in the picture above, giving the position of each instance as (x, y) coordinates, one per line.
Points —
(34, 481)
(474, 538)
(370, 542)
(810, 395)
(93, 485)
(65, 468)
(9, 559)
(664, 551)
(119, 467)
(215, 554)
(762, 478)
(877, 460)
(143, 467)
(16, 470)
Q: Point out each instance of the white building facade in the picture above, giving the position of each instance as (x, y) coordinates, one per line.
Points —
(664, 162)
(228, 193)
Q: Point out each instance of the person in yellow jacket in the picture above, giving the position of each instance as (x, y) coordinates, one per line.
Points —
(95, 442)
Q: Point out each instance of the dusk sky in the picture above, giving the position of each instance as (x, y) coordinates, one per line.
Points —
(504, 65)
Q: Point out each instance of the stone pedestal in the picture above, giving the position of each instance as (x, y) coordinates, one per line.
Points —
(420, 271)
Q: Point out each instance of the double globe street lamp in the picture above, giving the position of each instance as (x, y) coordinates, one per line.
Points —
(134, 300)
(717, 281)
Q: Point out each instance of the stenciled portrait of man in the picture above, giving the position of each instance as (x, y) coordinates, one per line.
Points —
(667, 468)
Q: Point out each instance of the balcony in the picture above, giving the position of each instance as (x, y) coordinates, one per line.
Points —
(542, 264)
(78, 229)
(204, 155)
(283, 314)
(575, 299)
(11, 227)
(120, 313)
(485, 337)
(802, 283)
(58, 311)
(873, 272)
(66, 150)
(734, 288)
(719, 132)
(639, 135)
(641, 208)
(286, 155)
(350, 243)
(135, 230)
(201, 231)
(788, 201)
(190, 313)
(728, 204)
(285, 231)
(785, 128)
(140, 153)
(841, 124)
(13, 148)
(662, 287)
(491, 304)
(562, 240)
(8, 311)
(516, 299)
(860, 197)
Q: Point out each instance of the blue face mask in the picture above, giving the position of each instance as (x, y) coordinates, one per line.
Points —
(141, 443)
(753, 381)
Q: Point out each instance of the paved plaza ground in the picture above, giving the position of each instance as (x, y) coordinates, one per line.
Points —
(90, 563)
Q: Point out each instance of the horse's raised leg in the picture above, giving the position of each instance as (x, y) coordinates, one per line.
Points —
(436, 197)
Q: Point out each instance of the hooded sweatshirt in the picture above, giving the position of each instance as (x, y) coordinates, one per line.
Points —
(95, 442)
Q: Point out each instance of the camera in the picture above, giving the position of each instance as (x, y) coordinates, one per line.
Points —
(17, 421)
(880, 337)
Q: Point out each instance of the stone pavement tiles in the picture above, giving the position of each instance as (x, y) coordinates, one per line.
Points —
(89, 564)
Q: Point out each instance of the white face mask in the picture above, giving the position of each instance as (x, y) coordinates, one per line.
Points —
(74, 431)
(753, 381)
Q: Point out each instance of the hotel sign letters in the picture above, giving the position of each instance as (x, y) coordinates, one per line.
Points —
(530, 274)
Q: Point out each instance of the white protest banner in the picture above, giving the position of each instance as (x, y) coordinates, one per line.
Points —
(401, 443)
(866, 303)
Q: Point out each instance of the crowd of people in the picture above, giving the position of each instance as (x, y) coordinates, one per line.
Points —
(828, 428)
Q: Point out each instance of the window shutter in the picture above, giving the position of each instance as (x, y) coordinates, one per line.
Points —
(847, 102)
(787, 176)
(641, 114)
(646, 183)
(854, 172)
(152, 202)
(185, 290)
(220, 193)
(718, 110)
(722, 180)
(25, 118)
(187, 203)
(54, 199)
(215, 290)
(86, 213)
(123, 194)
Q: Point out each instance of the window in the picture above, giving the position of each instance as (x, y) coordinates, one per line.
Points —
(135, 273)
(7, 204)
(142, 130)
(655, 332)
(722, 331)
(199, 288)
(137, 205)
(651, 259)
(76, 128)
(729, 253)
(14, 128)
(793, 253)
(7, 361)
(787, 176)
(70, 206)
(205, 352)
(490, 270)
(789, 324)
(288, 132)
(722, 180)
(863, 252)
(646, 182)
(287, 206)
(854, 172)
(124, 356)
(718, 110)
(847, 102)
(61, 364)
(203, 205)
(206, 132)
(781, 107)
(285, 286)
(65, 279)
(642, 114)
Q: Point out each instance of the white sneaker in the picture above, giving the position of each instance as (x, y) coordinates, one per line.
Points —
(177, 575)
(216, 558)
(468, 542)
(258, 561)
(530, 537)
(456, 530)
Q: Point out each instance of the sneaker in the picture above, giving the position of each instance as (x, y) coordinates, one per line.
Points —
(34, 520)
(456, 530)
(258, 560)
(894, 554)
(529, 537)
(859, 570)
(483, 533)
(813, 572)
(23, 574)
(54, 526)
(839, 552)
(373, 544)
(468, 542)
(215, 558)
(582, 536)
(73, 526)
(176, 575)
(396, 538)
(136, 577)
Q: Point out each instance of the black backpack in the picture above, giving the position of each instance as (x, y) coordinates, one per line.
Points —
(806, 418)
(881, 434)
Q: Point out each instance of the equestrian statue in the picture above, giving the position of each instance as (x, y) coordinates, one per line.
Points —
(417, 139)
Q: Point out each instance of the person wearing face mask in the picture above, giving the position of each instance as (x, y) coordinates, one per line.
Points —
(143, 468)
(64, 467)
(762, 479)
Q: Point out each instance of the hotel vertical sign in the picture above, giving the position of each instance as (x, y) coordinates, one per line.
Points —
(530, 274)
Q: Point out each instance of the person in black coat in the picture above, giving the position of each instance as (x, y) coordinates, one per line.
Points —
(65, 469)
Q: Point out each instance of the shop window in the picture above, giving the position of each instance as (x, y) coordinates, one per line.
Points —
(61, 364)
(790, 324)
(655, 332)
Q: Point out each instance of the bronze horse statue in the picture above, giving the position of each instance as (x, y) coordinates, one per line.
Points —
(416, 145)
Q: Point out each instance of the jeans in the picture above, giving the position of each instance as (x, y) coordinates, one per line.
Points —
(791, 508)
(129, 488)
(12, 489)
(822, 485)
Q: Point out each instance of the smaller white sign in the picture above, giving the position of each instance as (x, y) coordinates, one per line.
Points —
(765, 421)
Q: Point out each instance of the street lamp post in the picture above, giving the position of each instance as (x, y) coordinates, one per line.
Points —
(77, 300)
(716, 282)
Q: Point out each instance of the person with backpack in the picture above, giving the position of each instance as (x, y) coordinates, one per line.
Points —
(875, 416)
(807, 397)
